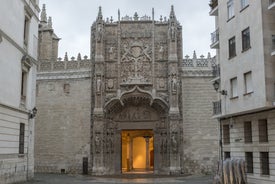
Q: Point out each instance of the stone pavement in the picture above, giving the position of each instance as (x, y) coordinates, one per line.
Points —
(80, 179)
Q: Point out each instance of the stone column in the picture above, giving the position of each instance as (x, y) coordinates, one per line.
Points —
(131, 153)
(147, 140)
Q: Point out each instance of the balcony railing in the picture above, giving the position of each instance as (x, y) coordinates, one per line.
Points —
(217, 108)
(214, 7)
(215, 39)
(216, 71)
(271, 4)
(213, 4)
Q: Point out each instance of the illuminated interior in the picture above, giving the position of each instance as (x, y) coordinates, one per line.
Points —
(137, 151)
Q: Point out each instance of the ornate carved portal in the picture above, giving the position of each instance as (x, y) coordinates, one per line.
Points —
(135, 91)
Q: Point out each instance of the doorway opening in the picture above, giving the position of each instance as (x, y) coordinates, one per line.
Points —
(137, 151)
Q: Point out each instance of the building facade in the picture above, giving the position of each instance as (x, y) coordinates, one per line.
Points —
(244, 40)
(18, 66)
(133, 106)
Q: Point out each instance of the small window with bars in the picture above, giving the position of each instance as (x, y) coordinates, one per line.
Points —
(21, 138)
(264, 159)
(249, 162)
(263, 130)
(226, 134)
(247, 132)
(227, 155)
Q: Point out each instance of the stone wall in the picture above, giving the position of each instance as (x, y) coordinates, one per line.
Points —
(200, 131)
(63, 124)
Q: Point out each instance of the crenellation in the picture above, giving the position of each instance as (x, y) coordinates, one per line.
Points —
(199, 66)
(65, 65)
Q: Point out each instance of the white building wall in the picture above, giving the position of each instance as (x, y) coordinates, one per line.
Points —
(16, 167)
(244, 61)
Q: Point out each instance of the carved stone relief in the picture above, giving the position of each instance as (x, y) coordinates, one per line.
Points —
(111, 84)
(161, 69)
(136, 62)
(111, 70)
(136, 114)
(162, 85)
(174, 142)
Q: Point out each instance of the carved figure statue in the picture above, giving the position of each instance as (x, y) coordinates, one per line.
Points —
(99, 33)
(97, 143)
(172, 32)
(174, 143)
(161, 52)
(231, 171)
(111, 53)
(98, 84)
(174, 83)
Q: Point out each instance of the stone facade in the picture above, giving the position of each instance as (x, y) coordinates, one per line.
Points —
(18, 66)
(134, 85)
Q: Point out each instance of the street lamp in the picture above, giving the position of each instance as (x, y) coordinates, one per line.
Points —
(216, 86)
(32, 113)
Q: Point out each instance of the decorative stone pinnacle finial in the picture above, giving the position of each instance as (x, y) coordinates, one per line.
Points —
(43, 15)
(78, 57)
(118, 13)
(209, 55)
(136, 16)
(99, 16)
(194, 55)
(50, 23)
(66, 56)
(153, 14)
(172, 13)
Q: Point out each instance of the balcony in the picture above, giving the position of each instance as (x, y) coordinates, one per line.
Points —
(214, 8)
(271, 4)
(215, 43)
(217, 109)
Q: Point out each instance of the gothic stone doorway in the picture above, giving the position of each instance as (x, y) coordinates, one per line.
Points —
(136, 153)
(132, 112)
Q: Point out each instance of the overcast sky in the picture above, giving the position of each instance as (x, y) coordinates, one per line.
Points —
(72, 20)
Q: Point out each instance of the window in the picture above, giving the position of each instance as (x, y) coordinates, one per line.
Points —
(234, 89)
(273, 42)
(226, 134)
(21, 138)
(24, 86)
(249, 162)
(230, 9)
(248, 83)
(26, 29)
(244, 3)
(25, 65)
(263, 131)
(264, 159)
(247, 132)
(246, 39)
(232, 47)
(227, 155)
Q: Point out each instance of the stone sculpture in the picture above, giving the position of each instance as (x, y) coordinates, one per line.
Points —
(231, 171)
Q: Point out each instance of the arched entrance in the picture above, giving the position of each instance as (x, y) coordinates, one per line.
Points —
(135, 135)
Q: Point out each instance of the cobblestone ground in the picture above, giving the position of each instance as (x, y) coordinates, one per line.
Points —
(79, 179)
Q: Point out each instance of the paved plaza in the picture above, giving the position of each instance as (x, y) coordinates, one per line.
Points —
(80, 179)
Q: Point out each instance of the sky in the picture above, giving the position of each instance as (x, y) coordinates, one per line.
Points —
(72, 20)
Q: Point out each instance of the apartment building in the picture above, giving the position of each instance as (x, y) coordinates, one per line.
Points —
(18, 63)
(244, 40)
